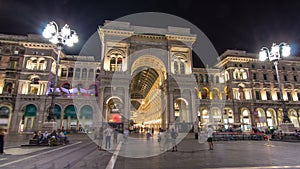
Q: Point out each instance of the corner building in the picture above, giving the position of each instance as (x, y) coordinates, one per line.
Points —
(144, 77)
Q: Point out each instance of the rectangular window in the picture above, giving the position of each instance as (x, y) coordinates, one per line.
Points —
(254, 76)
(298, 94)
(295, 78)
(278, 96)
(289, 95)
(265, 77)
(13, 64)
(268, 96)
(285, 78)
(275, 77)
(257, 95)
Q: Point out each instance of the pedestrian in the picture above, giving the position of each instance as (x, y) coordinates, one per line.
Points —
(159, 136)
(100, 138)
(116, 132)
(148, 135)
(125, 135)
(107, 133)
(2, 133)
(209, 137)
(152, 130)
(166, 141)
(174, 135)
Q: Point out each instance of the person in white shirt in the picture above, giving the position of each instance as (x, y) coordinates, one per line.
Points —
(107, 133)
(125, 135)
(210, 135)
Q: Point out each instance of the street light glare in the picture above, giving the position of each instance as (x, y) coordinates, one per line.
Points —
(262, 55)
(66, 31)
(74, 37)
(286, 50)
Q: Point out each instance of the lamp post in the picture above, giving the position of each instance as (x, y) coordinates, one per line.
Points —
(277, 51)
(65, 36)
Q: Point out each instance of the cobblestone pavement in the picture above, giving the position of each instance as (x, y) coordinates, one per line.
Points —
(82, 153)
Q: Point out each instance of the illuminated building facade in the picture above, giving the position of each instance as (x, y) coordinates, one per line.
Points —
(144, 78)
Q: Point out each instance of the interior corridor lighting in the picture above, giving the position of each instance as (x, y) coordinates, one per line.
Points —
(60, 38)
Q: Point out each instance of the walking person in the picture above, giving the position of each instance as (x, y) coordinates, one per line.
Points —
(100, 138)
(107, 133)
(116, 132)
(166, 141)
(210, 135)
(125, 135)
(159, 139)
(174, 135)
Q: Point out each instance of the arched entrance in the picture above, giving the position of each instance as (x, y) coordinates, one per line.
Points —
(113, 115)
(5, 116)
(228, 118)
(262, 121)
(70, 118)
(293, 117)
(271, 118)
(27, 121)
(86, 117)
(57, 116)
(147, 93)
(181, 114)
(245, 119)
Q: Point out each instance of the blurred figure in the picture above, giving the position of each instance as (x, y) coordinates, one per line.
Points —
(125, 135)
(116, 132)
(174, 135)
(210, 135)
(107, 133)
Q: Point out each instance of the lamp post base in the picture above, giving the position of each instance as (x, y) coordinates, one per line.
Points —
(287, 127)
(49, 126)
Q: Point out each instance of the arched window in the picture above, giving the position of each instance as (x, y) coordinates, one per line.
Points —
(243, 74)
(97, 73)
(8, 87)
(212, 78)
(182, 67)
(206, 78)
(116, 61)
(236, 74)
(77, 73)
(119, 63)
(91, 74)
(84, 74)
(70, 72)
(201, 78)
(215, 94)
(176, 68)
(227, 77)
(42, 65)
(32, 63)
(64, 72)
(204, 93)
(217, 79)
(113, 64)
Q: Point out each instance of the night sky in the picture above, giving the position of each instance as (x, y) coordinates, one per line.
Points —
(241, 24)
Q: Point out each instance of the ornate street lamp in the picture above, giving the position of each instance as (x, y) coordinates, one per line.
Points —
(277, 51)
(65, 36)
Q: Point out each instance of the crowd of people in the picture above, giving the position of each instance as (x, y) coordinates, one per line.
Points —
(109, 134)
(53, 138)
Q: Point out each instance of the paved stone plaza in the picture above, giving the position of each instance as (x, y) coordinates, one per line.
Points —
(82, 153)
